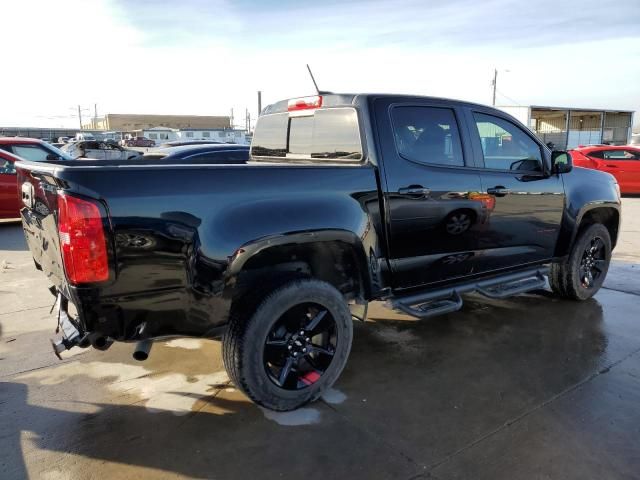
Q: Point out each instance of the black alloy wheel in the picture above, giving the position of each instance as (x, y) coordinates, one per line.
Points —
(593, 263)
(288, 341)
(582, 273)
(300, 347)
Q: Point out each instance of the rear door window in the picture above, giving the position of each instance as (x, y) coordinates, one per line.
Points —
(428, 135)
(331, 134)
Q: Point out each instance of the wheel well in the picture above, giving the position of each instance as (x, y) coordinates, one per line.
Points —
(607, 216)
(336, 263)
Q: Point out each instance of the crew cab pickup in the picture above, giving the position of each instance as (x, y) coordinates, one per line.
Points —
(346, 199)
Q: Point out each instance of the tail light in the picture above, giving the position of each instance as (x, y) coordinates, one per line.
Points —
(82, 240)
(305, 103)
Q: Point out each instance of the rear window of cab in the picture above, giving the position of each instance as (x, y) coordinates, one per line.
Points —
(329, 133)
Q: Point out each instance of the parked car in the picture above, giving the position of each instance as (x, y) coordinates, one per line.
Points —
(137, 142)
(178, 143)
(10, 202)
(100, 150)
(32, 149)
(84, 136)
(341, 203)
(211, 153)
(623, 162)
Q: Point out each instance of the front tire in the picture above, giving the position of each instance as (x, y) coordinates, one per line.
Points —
(285, 349)
(583, 273)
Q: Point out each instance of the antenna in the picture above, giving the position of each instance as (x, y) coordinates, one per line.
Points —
(313, 79)
(320, 92)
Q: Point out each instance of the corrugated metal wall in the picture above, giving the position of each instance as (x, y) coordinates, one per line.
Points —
(617, 127)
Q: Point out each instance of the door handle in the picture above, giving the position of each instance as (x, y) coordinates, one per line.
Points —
(414, 191)
(499, 191)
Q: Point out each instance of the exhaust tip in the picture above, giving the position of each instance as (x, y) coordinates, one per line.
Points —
(141, 352)
(140, 356)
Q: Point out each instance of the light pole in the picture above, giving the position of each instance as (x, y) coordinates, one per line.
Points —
(494, 83)
(80, 110)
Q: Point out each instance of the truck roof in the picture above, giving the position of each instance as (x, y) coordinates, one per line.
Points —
(349, 99)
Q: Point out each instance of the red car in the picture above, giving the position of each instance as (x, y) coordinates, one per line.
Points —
(13, 149)
(10, 202)
(623, 162)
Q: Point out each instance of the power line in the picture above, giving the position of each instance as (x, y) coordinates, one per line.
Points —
(508, 98)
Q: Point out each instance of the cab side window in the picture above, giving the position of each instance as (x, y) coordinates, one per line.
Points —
(506, 146)
(427, 135)
(7, 167)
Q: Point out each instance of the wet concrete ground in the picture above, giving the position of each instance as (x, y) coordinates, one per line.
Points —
(529, 387)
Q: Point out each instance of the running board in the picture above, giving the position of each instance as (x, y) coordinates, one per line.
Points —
(446, 300)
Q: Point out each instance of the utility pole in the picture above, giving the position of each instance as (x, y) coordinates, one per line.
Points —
(80, 116)
(259, 102)
(95, 115)
(231, 119)
(494, 83)
(246, 119)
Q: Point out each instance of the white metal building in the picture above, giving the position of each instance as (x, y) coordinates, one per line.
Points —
(567, 128)
(164, 134)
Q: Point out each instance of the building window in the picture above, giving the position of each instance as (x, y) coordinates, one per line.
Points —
(190, 134)
(238, 134)
(206, 134)
(153, 136)
(222, 134)
(164, 136)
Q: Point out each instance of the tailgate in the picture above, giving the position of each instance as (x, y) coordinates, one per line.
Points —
(66, 232)
(40, 203)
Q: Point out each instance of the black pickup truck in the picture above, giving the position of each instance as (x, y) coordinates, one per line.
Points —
(346, 199)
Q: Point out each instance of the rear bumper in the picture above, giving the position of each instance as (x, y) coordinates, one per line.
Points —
(150, 315)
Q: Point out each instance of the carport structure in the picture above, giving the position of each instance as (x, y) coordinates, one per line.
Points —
(566, 127)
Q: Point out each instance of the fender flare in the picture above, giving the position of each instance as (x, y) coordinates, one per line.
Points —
(594, 205)
(251, 249)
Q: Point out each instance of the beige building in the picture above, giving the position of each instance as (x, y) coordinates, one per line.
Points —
(568, 128)
(121, 122)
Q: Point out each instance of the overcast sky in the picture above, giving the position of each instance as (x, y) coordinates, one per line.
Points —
(205, 57)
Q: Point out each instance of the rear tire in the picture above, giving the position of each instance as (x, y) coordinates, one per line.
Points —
(264, 334)
(582, 274)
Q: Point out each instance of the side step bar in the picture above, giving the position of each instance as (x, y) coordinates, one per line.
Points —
(446, 300)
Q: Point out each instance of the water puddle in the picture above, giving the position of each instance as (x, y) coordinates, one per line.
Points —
(174, 392)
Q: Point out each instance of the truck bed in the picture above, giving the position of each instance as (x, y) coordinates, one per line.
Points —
(174, 232)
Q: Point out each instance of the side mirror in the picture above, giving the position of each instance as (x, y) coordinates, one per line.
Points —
(561, 162)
